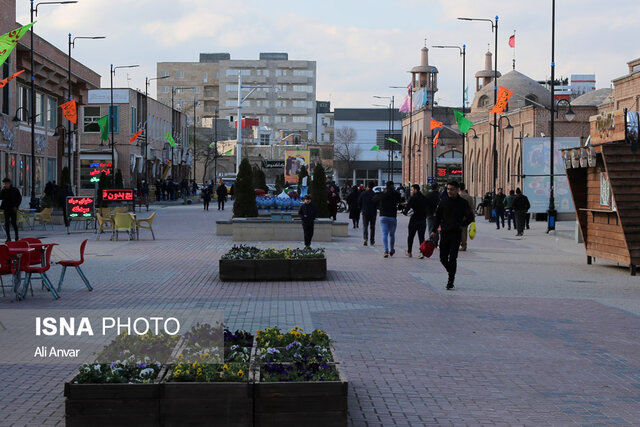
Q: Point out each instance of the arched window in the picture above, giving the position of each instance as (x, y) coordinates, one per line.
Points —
(529, 98)
(484, 101)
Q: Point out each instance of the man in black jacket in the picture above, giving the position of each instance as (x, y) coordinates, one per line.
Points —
(418, 221)
(520, 206)
(307, 214)
(498, 206)
(388, 201)
(452, 214)
(221, 192)
(369, 213)
(11, 200)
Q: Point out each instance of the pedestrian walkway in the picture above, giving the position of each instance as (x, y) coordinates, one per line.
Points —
(531, 335)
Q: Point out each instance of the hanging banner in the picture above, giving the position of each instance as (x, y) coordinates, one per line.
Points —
(294, 160)
(69, 111)
(6, 81)
(503, 99)
(9, 41)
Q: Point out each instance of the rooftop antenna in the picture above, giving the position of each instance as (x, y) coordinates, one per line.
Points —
(514, 49)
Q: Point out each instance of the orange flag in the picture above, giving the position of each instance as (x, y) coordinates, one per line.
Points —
(503, 99)
(4, 82)
(435, 139)
(69, 111)
(435, 124)
(135, 136)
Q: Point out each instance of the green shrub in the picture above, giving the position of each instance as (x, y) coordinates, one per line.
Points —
(244, 203)
(319, 194)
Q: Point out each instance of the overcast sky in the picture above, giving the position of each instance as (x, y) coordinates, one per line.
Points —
(361, 47)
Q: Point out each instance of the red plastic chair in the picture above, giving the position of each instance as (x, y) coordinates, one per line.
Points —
(42, 271)
(6, 265)
(35, 257)
(25, 259)
(75, 263)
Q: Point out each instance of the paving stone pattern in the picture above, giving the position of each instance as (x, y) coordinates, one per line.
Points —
(531, 335)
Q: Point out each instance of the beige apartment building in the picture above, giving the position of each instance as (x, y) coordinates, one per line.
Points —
(284, 106)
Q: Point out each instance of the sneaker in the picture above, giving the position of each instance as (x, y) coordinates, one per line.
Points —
(373, 243)
(408, 254)
(450, 287)
(365, 243)
(392, 252)
(420, 256)
(386, 255)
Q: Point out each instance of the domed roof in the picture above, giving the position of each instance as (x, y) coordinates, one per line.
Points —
(595, 97)
(521, 86)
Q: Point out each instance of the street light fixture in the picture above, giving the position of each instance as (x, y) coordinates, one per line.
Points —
(463, 54)
(475, 135)
(72, 43)
(494, 29)
(173, 91)
(391, 120)
(33, 204)
(111, 116)
(145, 168)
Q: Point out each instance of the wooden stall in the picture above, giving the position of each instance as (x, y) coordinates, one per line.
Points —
(605, 184)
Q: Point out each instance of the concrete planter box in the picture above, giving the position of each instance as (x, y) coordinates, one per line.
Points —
(266, 229)
(273, 269)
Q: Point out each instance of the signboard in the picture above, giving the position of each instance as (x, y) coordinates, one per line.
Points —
(90, 171)
(535, 171)
(125, 195)
(294, 160)
(605, 190)
(103, 96)
(80, 207)
(273, 164)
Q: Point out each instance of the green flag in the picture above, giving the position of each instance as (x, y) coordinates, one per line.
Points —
(464, 124)
(229, 152)
(375, 148)
(103, 122)
(169, 139)
(212, 145)
(392, 140)
(10, 40)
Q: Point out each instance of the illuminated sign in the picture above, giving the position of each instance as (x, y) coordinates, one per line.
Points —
(455, 171)
(80, 207)
(117, 195)
(442, 171)
(97, 168)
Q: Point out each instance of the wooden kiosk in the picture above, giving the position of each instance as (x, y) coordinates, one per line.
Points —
(605, 184)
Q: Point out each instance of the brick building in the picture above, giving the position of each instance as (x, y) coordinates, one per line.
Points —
(51, 87)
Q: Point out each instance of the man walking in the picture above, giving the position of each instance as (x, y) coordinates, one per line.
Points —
(221, 192)
(307, 214)
(11, 200)
(508, 209)
(389, 200)
(498, 206)
(369, 213)
(452, 214)
(520, 206)
(206, 197)
(418, 221)
(465, 230)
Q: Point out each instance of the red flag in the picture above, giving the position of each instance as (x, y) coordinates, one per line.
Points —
(135, 136)
(435, 139)
(69, 111)
(4, 82)
(503, 99)
(435, 124)
(512, 41)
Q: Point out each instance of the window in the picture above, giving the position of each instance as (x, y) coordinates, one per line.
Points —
(231, 103)
(303, 88)
(302, 119)
(52, 112)
(164, 74)
(179, 74)
(304, 104)
(163, 89)
(196, 89)
(205, 77)
(265, 139)
(280, 72)
(529, 98)
(24, 102)
(40, 109)
(51, 169)
(484, 101)
(232, 88)
(134, 120)
(90, 117)
(115, 113)
(303, 73)
(263, 73)
(234, 72)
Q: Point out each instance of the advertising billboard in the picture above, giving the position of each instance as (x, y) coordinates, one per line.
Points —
(293, 162)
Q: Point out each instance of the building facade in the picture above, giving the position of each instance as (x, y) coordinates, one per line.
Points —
(324, 122)
(51, 90)
(150, 155)
(283, 105)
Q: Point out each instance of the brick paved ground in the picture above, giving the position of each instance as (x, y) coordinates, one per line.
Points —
(531, 336)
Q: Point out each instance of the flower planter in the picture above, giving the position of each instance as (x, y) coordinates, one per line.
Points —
(273, 269)
(112, 404)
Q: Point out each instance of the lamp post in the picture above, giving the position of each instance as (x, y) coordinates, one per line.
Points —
(463, 53)
(111, 117)
(173, 91)
(72, 43)
(145, 169)
(410, 89)
(34, 12)
(391, 125)
(215, 144)
(552, 213)
(494, 29)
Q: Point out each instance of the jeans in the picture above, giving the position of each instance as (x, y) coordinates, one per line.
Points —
(308, 233)
(499, 216)
(221, 203)
(416, 226)
(369, 224)
(510, 218)
(449, 245)
(388, 226)
(11, 218)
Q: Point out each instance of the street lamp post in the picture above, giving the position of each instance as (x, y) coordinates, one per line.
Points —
(552, 213)
(463, 53)
(494, 28)
(34, 12)
(215, 144)
(72, 43)
(145, 168)
(391, 126)
(173, 91)
(112, 117)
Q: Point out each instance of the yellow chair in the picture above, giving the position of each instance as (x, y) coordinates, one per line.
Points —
(146, 223)
(105, 212)
(44, 217)
(103, 224)
(119, 209)
(123, 222)
(22, 219)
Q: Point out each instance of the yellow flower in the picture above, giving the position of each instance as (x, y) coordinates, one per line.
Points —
(280, 337)
(177, 373)
(225, 367)
(258, 332)
(188, 372)
(199, 372)
(240, 373)
(195, 364)
(181, 356)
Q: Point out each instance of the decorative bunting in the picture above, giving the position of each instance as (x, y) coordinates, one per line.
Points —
(435, 139)
(405, 104)
(228, 152)
(375, 148)
(103, 122)
(464, 124)
(503, 99)
(392, 140)
(9, 41)
(512, 41)
(435, 124)
(135, 136)
(4, 82)
(170, 139)
(212, 145)
(69, 111)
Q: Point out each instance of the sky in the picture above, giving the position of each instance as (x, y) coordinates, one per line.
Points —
(361, 47)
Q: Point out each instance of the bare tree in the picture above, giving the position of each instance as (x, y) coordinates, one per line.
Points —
(346, 150)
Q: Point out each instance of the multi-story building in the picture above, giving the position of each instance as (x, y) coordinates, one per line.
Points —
(324, 122)
(284, 104)
(131, 110)
(51, 90)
